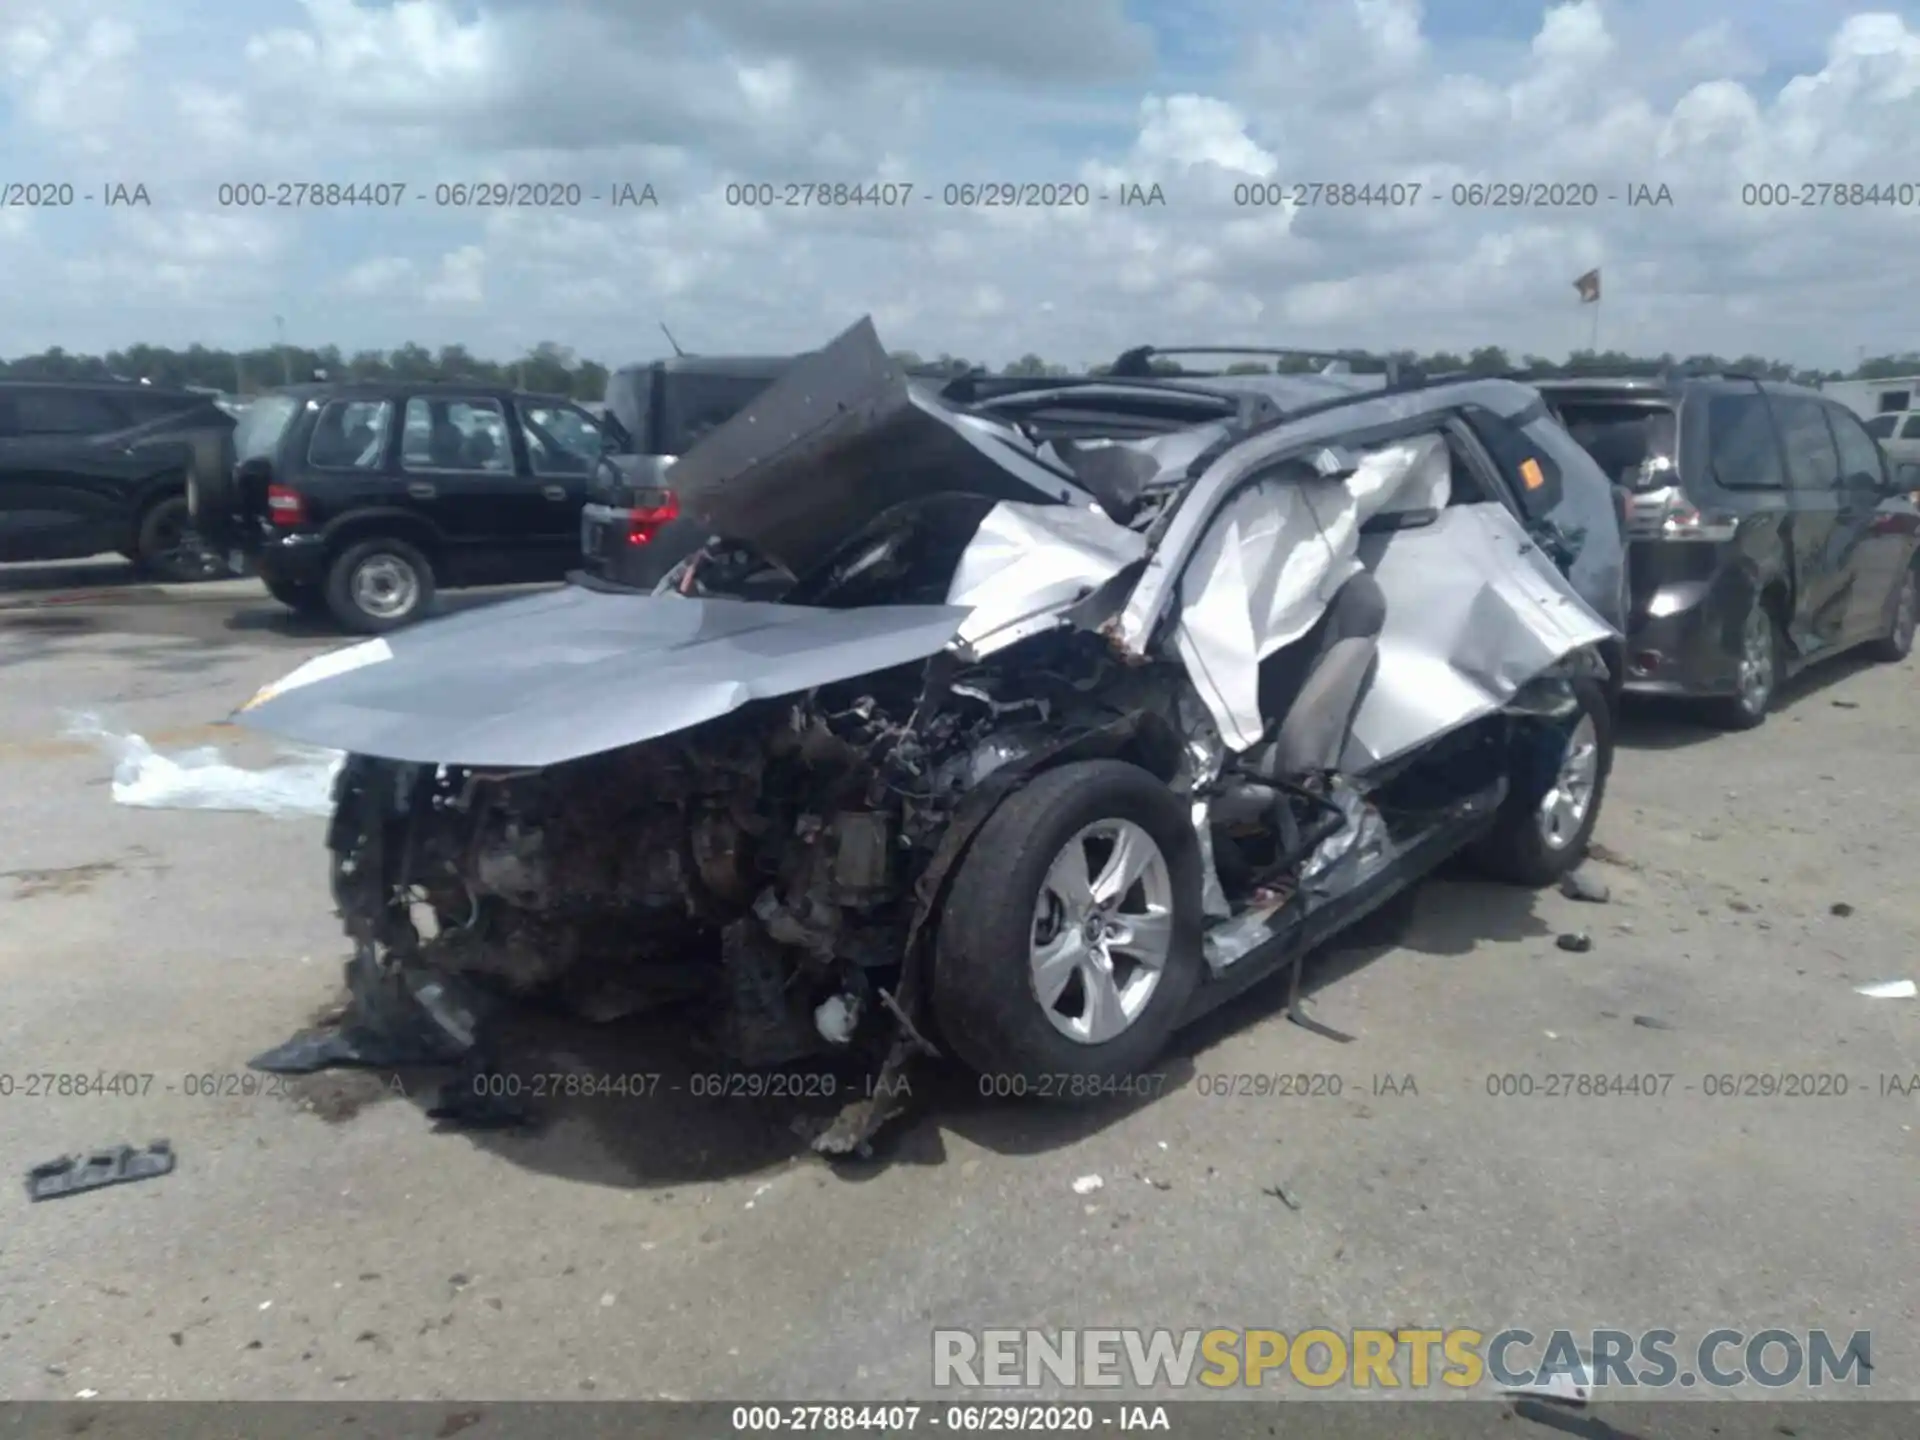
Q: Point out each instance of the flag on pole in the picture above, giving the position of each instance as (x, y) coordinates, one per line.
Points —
(1589, 287)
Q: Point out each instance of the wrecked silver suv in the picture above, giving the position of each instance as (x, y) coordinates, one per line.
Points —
(961, 738)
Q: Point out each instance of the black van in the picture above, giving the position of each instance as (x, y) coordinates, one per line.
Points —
(1766, 529)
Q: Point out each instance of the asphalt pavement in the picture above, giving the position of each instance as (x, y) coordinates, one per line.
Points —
(321, 1239)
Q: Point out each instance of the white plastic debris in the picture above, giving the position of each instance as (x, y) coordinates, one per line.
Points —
(203, 779)
(1087, 1184)
(85, 1394)
(1888, 990)
(836, 1017)
(1566, 1387)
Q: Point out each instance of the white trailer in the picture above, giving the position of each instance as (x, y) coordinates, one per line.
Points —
(1868, 398)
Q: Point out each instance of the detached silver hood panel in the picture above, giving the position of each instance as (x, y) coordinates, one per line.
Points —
(575, 672)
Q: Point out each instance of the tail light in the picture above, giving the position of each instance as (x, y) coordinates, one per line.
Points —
(1683, 521)
(286, 506)
(1668, 515)
(652, 512)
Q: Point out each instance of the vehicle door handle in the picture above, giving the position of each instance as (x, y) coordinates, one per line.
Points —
(421, 490)
(554, 492)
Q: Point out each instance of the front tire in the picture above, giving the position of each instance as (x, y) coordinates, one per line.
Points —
(1070, 941)
(1541, 836)
(379, 585)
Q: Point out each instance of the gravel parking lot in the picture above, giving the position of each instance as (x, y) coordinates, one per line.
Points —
(320, 1239)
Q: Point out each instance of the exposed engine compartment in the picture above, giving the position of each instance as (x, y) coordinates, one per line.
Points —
(769, 863)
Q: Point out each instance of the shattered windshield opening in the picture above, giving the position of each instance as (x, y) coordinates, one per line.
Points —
(1634, 442)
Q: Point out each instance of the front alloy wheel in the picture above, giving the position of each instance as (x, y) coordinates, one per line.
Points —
(1101, 931)
(1564, 808)
(1070, 937)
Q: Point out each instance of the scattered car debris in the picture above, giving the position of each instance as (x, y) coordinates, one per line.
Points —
(1157, 1183)
(1577, 942)
(1840, 908)
(120, 1165)
(1888, 990)
(1559, 1385)
(1279, 1192)
(382, 1028)
(1087, 1184)
(1846, 704)
(205, 779)
(1583, 884)
(1651, 1022)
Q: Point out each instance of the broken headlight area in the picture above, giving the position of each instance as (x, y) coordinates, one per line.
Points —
(765, 871)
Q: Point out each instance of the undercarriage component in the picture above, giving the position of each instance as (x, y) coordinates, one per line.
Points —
(767, 1020)
(888, 1095)
(387, 1025)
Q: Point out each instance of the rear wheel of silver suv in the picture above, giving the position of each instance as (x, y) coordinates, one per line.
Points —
(379, 585)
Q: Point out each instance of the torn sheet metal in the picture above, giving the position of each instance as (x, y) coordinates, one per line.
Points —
(1474, 611)
(552, 677)
(840, 438)
(1273, 558)
(1027, 560)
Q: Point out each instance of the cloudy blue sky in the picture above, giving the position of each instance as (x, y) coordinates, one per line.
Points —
(1704, 97)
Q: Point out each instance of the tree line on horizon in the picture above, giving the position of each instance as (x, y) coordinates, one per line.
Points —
(554, 369)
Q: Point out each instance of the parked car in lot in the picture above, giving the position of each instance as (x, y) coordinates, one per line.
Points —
(971, 734)
(363, 499)
(97, 467)
(631, 530)
(1766, 528)
(1898, 432)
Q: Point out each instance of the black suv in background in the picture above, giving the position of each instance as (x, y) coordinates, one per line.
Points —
(97, 467)
(631, 531)
(1766, 530)
(362, 499)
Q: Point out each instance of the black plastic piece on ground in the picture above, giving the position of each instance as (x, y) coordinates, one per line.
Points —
(120, 1165)
(386, 1029)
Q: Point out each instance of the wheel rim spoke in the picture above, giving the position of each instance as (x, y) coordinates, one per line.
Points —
(1106, 1015)
(1055, 964)
(1133, 852)
(1146, 938)
(1069, 879)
